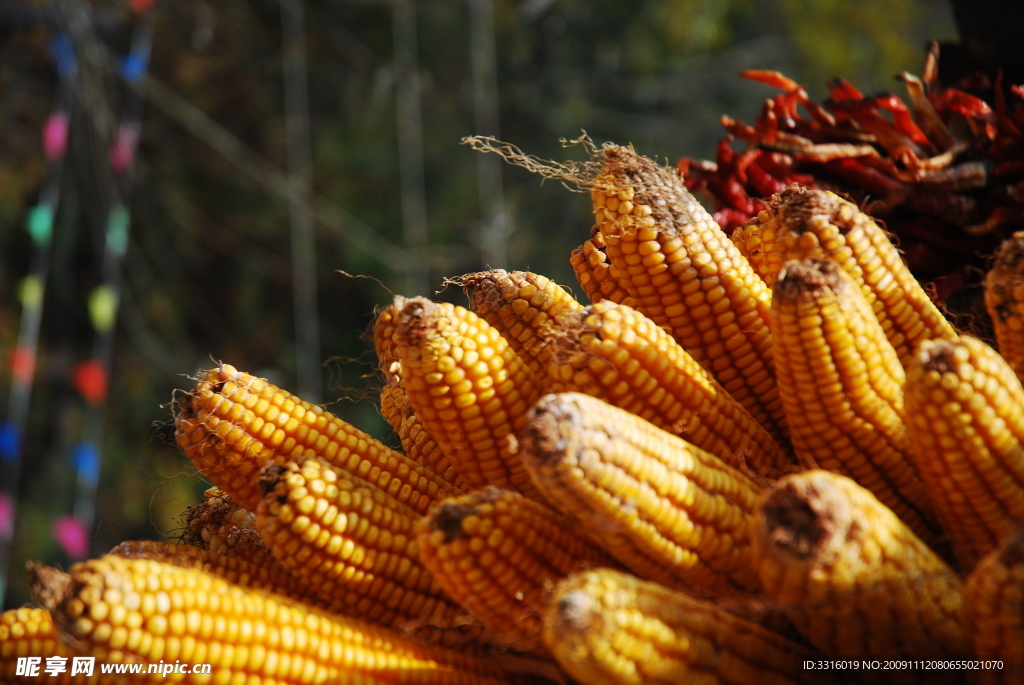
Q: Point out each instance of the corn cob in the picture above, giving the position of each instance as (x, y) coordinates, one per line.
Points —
(617, 354)
(524, 308)
(423, 449)
(356, 546)
(606, 627)
(392, 398)
(136, 609)
(416, 442)
(30, 632)
(383, 332)
(820, 224)
(468, 387)
(233, 424)
(853, 578)
(272, 576)
(995, 610)
(497, 553)
(758, 242)
(686, 275)
(224, 528)
(393, 401)
(594, 272)
(1004, 299)
(666, 509)
(965, 410)
(842, 385)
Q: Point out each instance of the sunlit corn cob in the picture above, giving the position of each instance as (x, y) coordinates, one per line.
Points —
(28, 632)
(853, 578)
(416, 442)
(392, 398)
(126, 609)
(272, 576)
(685, 274)
(820, 224)
(393, 401)
(842, 385)
(994, 595)
(594, 272)
(758, 242)
(1004, 299)
(498, 553)
(965, 410)
(356, 546)
(423, 449)
(524, 307)
(223, 527)
(610, 628)
(468, 387)
(383, 332)
(617, 354)
(666, 509)
(233, 424)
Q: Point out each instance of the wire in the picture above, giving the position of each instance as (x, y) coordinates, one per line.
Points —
(39, 222)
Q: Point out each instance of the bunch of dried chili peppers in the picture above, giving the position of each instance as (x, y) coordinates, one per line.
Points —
(947, 177)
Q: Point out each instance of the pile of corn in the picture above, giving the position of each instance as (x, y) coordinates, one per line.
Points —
(745, 454)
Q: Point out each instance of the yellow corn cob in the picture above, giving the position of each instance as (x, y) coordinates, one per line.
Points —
(594, 272)
(686, 275)
(758, 242)
(141, 610)
(842, 385)
(1004, 299)
(468, 387)
(393, 401)
(666, 509)
(423, 449)
(392, 398)
(965, 410)
(994, 595)
(233, 424)
(820, 224)
(497, 553)
(356, 546)
(30, 632)
(383, 331)
(854, 579)
(606, 627)
(617, 354)
(224, 528)
(272, 577)
(524, 307)
(416, 442)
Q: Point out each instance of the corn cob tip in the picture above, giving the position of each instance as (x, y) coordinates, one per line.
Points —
(448, 516)
(801, 279)
(801, 207)
(576, 612)
(805, 517)
(269, 476)
(212, 514)
(410, 319)
(1011, 253)
(553, 427)
(941, 355)
(47, 586)
(478, 278)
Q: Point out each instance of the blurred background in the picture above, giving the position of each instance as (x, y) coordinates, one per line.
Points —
(182, 183)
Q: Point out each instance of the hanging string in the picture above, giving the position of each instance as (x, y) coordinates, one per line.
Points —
(296, 96)
(31, 293)
(494, 229)
(91, 378)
